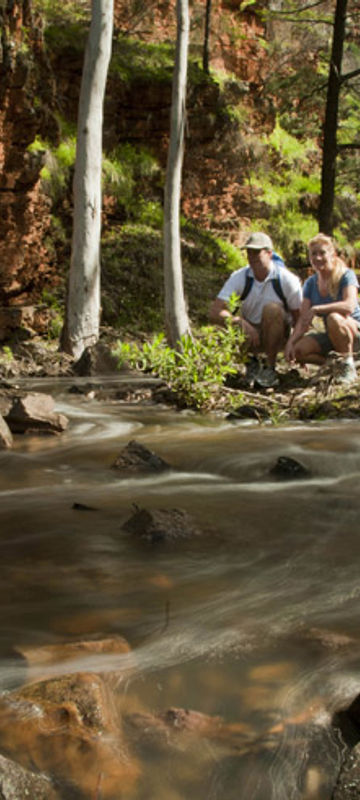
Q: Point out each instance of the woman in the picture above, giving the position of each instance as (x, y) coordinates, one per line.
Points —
(332, 294)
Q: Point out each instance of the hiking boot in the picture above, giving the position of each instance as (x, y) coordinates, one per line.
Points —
(253, 367)
(347, 373)
(267, 378)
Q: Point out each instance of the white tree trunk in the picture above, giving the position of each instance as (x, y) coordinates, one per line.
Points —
(176, 318)
(83, 303)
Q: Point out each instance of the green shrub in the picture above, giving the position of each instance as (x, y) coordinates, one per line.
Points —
(197, 370)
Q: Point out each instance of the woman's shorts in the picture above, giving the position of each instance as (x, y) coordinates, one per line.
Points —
(326, 344)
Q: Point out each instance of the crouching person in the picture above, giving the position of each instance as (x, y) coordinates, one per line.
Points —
(270, 302)
(331, 294)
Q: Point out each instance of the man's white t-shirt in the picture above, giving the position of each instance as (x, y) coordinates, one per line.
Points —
(263, 292)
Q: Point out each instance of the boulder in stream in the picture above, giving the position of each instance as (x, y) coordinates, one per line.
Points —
(69, 729)
(161, 525)
(289, 469)
(34, 412)
(136, 458)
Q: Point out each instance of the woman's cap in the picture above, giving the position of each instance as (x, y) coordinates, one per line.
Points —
(258, 241)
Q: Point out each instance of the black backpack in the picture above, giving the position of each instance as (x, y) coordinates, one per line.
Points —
(249, 280)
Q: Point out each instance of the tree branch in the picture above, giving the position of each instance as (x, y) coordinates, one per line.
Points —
(349, 146)
(349, 75)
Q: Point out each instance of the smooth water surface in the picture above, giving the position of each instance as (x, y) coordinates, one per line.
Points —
(255, 621)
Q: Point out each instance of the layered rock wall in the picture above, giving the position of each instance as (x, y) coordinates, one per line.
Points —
(26, 99)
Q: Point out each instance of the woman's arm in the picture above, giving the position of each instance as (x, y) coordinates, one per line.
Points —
(345, 306)
(301, 326)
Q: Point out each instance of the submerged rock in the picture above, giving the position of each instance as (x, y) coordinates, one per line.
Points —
(135, 457)
(47, 660)
(161, 525)
(164, 730)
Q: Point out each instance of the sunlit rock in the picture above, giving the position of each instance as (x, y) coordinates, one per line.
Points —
(34, 412)
(69, 728)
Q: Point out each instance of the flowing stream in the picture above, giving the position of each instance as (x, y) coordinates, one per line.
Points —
(255, 621)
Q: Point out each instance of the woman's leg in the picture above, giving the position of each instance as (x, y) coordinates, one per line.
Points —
(308, 350)
(341, 331)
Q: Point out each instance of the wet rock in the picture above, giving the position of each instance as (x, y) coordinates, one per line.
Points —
(289, 469)
(347, 720)
(348, 783)
(96, 360)
(17, 783)
(161, 525)
(6, 439)
(135, 457)
(34, 412)
(69, 728)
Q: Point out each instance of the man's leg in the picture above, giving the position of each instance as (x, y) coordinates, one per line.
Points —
(273, 331)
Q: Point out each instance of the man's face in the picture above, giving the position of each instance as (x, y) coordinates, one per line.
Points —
(259, 258)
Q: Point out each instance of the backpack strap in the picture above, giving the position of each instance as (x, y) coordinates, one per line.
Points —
(249, 280)
(278, 289)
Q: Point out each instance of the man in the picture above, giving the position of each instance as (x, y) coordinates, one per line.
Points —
(270, 301)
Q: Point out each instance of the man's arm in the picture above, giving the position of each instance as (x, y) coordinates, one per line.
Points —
(219, 313)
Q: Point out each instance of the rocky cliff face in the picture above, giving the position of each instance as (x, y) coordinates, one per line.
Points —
(34, 84)
(26, 101)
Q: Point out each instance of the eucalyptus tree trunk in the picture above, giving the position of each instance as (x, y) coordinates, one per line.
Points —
(176, 318)
(329, 148)
(82, 323)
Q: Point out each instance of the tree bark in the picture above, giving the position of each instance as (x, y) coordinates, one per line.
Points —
(328, 172)
(176, 318)
(82, 323)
